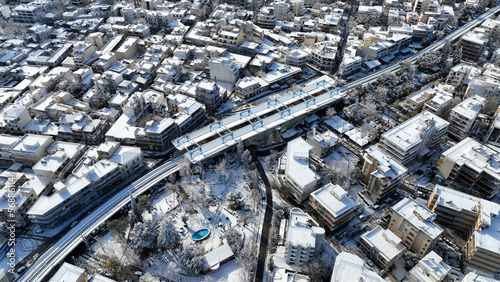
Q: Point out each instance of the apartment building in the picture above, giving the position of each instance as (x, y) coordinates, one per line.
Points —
(61, 157)
(28, 13)
(30, 149)
(472, 45)
(82, 52)
(266, 18)
(304, 238)
(249, 86)
(224, 70)
(430, 268)
(415, 101)
(208, 93)
(382, 246)
(473, 219)
(414, 138)
(333, 205)
(493, 135)
(13, 118)
(93, 177)
(350, 65)
(414, 223)
(128, 49)
(350, 267)
(472, 166)
(323, 55)
(439, 103)
(79, 127)
(463, 116)
(297, 57)
(300, 178)
(483, 86)
(461, 74)
(455, 209)
(381, 174)
(230, 38)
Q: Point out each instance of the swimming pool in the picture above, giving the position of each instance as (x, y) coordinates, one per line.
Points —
(201, 234)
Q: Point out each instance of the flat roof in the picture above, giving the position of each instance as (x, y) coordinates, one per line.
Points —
(407, 134)
(67, 273)
(351, 268)
(419, 216)
(302, 229)
(386, 242)
(474, 155)
(430, 268)
(297, 163)
(334, 199)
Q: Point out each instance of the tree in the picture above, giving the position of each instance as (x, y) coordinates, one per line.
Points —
(240, 148)
(246, 259)
(335, 172)
(136, 212)
(185, 170)
(457, 58)
(246, 158)
(234, 201)
(144, 204)
(315, 270)
(148, 277)
(235, 240)
(220, 168)
(290, 17)
(192, 261)
(144, 237)
(118, 226)
(12, 29)
(168, 237)
(330, 113)
(369, 129)
(490, 105)
(260, 74)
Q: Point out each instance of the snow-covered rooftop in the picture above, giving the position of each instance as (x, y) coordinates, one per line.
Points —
(430, 268)
(334, 199)
(349, 267)
(408, 134)
(297, 163)
(387, 243)
(302, 229)
(419, 216)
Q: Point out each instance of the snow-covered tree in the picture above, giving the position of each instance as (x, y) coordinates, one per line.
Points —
(144, 236)
(246, 158)
(235, 240)
(192, 261)
(331, 112)
(316, 269)
(234, 201)
(246, 259)
(144, 204)
(118, 226)
(185, 170)
(239, 150)
(290, 16)
(168, 237)
(148, 277)
(369, 129)
(220, 168)
(335, 172)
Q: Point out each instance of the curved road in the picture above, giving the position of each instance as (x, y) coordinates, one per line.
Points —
(73, 238)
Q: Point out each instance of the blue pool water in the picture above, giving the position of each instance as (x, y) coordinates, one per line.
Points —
(201, 234)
